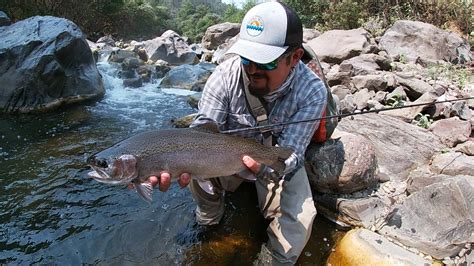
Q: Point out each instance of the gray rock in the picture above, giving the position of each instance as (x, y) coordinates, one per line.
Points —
(415, 87)
(343, 165)
(309, 34)
(133, 82)
(185, 76)
(466, 147)
(170, 47)
(350, 43)
(218, 34)
(374, 82)
(437, 220)
(452, 163)
(361, 98)
(365, 64)
(451, 131)
(399, 147)
(415, 39)
(46, 63)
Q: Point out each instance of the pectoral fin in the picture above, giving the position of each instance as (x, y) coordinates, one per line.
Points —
(145, 190)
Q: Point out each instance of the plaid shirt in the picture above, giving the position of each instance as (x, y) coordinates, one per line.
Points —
(223, 101)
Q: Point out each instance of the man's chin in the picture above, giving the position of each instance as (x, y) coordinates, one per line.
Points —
(258, 91)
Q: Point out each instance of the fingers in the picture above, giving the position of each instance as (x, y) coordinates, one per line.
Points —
(184, 179)
(251, 164)
(164, 182)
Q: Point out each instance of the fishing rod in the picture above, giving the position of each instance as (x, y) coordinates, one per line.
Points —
(267, 127)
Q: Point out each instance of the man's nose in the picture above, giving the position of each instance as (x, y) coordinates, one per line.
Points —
(252, 68)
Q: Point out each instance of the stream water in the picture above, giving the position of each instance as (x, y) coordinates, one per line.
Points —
(52, 213)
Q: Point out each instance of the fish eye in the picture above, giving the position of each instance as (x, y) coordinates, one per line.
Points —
(101, 162)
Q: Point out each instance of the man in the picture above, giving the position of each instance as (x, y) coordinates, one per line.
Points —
(268, 68)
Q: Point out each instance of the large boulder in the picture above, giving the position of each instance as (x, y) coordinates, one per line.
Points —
(364, 247)
(189, 77)
(437, 220)
(343, 165)
(350, 43)
(45, 63)
(399, 147)
(170, 47)
(414, 39)
(218, 34)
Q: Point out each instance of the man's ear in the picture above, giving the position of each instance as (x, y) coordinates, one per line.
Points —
(296, 56)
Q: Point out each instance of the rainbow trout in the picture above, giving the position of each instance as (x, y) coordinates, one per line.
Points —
(200, 151)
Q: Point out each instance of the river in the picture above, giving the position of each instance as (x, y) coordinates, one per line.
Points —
(52, 213)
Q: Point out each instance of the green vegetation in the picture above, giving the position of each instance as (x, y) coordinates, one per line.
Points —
(129, 19)
(395, 101)
(453, 73)
(423, 120)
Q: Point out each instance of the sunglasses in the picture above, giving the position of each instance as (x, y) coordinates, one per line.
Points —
(267, 67)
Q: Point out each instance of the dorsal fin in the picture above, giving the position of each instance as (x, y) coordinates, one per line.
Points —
(209, 126)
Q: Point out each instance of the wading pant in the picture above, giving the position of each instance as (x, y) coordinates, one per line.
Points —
(289, 203)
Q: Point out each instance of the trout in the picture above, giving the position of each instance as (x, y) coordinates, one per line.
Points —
(201, 151)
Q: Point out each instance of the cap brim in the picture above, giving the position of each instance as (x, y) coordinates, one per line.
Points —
(256, 52)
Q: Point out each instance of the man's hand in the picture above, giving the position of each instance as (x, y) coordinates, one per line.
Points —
(164, 181)
(251, 164)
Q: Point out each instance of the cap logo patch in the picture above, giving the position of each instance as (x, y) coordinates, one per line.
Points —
(255, 26)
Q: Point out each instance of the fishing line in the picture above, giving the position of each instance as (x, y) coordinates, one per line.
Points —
(262, 128)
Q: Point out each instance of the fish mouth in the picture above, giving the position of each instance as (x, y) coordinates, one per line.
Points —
(118, 171)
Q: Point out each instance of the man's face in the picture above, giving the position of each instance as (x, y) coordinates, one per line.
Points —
(263, 82)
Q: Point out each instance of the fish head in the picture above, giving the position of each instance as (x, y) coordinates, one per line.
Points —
(113, 170)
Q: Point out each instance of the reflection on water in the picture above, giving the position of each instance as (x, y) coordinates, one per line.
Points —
(50, 212)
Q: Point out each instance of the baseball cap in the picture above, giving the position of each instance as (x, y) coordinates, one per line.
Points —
(267, 30)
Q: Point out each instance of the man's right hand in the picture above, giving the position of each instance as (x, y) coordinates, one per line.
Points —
(164, 180)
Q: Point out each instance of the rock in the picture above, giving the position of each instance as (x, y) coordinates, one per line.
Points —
(107, 39)
(350, 211)
(340, 91)
(218, 34)
(452, 163)
(399, 147)
(133, 82)
(46, 63)
(161, 68)
(343, 165)
(170, 47)
(408, 114)
(119, 55)
(415, 39)
(309, 34)
(361, 98)
(365, 64)
(220, 55)
(375, 82)
(184, 121)
(185, 76)
(451, 131)
(438, 220)
(461, 109)
(350, 43)
(466, 148)
(414, 86)
(4, 19)
(193, 100)
(347, 105)
(364, 247)
(422, 177)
